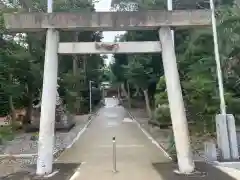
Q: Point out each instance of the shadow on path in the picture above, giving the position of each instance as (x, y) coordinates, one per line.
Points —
(209, 172)
(64, 172)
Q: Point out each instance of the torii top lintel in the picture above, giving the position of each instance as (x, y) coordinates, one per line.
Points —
(106, 21)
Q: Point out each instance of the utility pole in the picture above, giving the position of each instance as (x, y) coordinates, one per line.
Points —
(90, 96)
(170, 8)
(225, 123)
(217, 59)
(48, 106)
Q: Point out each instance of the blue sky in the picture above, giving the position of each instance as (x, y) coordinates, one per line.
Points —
(105, 5)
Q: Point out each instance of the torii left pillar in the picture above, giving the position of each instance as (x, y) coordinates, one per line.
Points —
(47, 119)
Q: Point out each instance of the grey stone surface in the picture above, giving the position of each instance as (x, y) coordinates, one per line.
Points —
(23, 144)
(140, 20)
(238, 138)
(232, 136)
(222, 136)
(227, 137)
(120, 47)
(210, 151)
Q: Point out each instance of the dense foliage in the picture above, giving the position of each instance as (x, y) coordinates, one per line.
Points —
(138, 76)
(22, 59)
(196, 63)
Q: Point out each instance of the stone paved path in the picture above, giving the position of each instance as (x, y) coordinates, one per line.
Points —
(135, 152)
(90, 158)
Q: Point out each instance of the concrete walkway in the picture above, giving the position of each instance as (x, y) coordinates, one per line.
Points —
(136, 154)
(90, 158)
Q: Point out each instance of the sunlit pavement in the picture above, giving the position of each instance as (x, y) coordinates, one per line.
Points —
(137, 157)
(111, 102)
(135, 152)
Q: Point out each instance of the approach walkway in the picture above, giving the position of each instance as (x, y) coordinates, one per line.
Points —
(138, 158)
(136, 154)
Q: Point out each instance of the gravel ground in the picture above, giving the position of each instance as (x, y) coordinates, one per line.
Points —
(23, 145)
(162, 136)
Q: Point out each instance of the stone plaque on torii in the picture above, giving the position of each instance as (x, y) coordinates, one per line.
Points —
(111, 21)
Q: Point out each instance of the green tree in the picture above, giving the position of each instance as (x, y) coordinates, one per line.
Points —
(196, 62)
(22, 59)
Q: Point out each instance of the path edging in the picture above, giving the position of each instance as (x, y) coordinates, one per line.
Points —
(58, 152)
(215, 164)
(150, 137)
(61, 151)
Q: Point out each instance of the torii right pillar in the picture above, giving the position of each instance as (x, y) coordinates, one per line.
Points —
(176, 104)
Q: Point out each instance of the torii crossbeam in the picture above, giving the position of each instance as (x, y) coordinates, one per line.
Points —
(106, 21)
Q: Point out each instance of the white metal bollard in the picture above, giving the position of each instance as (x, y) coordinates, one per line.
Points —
(114, 155)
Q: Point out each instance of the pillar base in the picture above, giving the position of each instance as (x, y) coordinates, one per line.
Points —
(193, 174)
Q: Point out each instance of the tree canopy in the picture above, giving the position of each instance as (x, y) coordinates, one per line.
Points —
(22, 59)
(142, 76)
(196, 62)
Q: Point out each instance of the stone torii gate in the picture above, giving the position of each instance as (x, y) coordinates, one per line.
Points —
(109, 21)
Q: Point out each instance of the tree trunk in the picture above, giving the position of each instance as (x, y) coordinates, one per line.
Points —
(77, 105)
(11, 105)
(12, 109)
(128, 95)
(148, 108)
(75, 57)
(75, 65)
(85, 67)
(124, 90)
(27, 119)
(119, 95)
(137, 93)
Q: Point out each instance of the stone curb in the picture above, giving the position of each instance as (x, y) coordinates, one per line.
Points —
(57, 154)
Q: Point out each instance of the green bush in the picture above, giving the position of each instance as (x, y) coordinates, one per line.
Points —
(6, 134)
(161, 96)
(162, 114)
